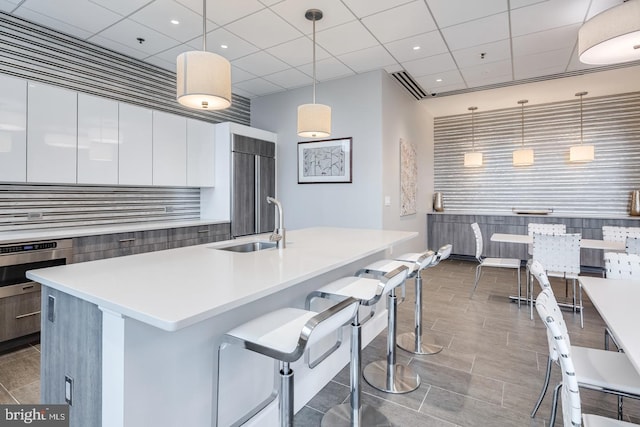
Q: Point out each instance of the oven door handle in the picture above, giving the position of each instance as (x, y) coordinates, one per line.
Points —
(22, 316)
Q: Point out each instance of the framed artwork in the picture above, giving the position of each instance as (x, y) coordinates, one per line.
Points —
(326, 161)
(408, 178)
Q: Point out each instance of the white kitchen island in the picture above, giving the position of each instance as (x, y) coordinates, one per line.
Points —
(160, 317)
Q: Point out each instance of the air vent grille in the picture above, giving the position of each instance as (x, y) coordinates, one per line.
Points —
(410, 85)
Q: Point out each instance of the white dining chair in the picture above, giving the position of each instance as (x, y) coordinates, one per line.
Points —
(632, 245)
(619, 266)
(534, 227)
(511, 263)
(560, 256)
(619, 234)
(595, 369)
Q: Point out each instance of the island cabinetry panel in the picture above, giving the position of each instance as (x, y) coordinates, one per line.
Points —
(169, 149)
(97, 140)
(13, 129)
(53, 134)
(189, 236)
(71, 346)
(135, 140)
(19, 315)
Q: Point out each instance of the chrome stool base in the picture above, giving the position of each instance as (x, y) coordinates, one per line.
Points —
(408, 342)
(340, 416)
(402, 379)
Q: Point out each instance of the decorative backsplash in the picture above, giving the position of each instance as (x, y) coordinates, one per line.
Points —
(611, 124)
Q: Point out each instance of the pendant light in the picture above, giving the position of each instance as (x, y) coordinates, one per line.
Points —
(523, 156)
(472, 159)
(203, 79)
(314, 120)
(581, 153)
(611, 37)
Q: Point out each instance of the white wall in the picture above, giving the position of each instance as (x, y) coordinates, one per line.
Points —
(356, 104)
(405, 118)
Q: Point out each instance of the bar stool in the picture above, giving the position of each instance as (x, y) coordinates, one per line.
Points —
(387, 375)
(368, 291)
(285, 335)
(412, 341)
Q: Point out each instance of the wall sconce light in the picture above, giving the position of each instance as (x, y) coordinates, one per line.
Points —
(581, 153)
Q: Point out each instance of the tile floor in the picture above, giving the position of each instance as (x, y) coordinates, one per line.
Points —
(488, 374)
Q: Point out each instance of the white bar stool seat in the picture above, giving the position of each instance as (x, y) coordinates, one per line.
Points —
(285, 335)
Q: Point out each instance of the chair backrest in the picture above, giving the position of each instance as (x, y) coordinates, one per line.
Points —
(534, 227)
(619, 234)
(479, 243)
(540, 274)
(559, 344)
(621, 266)
(559, 253)
(633, 245)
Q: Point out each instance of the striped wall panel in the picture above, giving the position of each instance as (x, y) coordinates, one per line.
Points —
(37, 53)
(611, 124)
(24, 207)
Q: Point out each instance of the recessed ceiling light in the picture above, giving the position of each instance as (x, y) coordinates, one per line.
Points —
(224, 46)
(175, 21)
(438, 80)
(416, 48)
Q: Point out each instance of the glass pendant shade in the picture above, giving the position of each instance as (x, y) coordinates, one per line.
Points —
(523, 157)
(472, 159)
(581, 153)
(612, 36)
(203, 80)
(314, 120)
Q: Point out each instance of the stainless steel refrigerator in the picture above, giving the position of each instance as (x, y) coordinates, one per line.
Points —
(253, 178)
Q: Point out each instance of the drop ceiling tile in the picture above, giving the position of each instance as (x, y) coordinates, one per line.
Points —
(431, 65)
(68, 15)
(368, 59)
(484, 80)
(263, 29)
(126, 33)
(542, 41)
(270, 2)
(394, 68)
(436, 90)
(400, 22)
(515, 4)
(298, 52)
(122, 7)
(364, 8)
(446, 79)
(430, 44)
(289, 78)
(258, 87)
(345, 38)
(167, 65)
(8, 5)
(480, 31)
(547, 15)
(484, 71)
(551, 62)
(260, 64)
(158, 16)
(601, 6)
(224, 11)
(327, 69)
(496, 51)
(239, 75)
(119, 47)
(334, 13)
(451, 12)
(170, 55)
(236, 47)
(241, 92)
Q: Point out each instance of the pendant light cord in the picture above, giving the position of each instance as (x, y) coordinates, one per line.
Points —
(581, 119)
(204, 25)
(314, 60)
(522, 116)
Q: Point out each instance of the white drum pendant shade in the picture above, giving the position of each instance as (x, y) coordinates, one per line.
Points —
(612, 36)
(314, 120)
(472, 159)
(581, 153)
(523, 157)
(203, 80)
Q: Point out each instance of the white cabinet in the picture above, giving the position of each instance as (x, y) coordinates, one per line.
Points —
(52, 138)
(97, 140)
(200, 152)
(13, 129)
(136, 145)
(169, 149)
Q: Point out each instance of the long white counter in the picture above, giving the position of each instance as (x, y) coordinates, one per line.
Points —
(163, 314)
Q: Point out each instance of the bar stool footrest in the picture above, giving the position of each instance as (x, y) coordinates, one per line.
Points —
(340, 416)
(403, 379)
(407, 342)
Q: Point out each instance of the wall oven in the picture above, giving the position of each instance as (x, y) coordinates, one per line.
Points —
(20, 297)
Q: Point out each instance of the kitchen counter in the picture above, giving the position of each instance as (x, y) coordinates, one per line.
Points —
(536, 215)
(155, 320)
(93, 230)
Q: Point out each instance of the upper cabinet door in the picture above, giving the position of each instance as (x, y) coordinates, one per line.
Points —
(13, 129)
(52, 138)
(97, 140)
(169, 149)
(200, 153)
(136, 145)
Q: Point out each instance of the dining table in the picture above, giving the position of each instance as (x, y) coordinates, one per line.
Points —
(606, 245)
(616, 301)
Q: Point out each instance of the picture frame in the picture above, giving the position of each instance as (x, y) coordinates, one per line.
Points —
(325, 161)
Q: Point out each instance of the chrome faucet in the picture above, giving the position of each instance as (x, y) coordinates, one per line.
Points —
(278, 234)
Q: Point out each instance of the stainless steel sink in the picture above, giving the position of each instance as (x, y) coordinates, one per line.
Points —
(248, 247)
